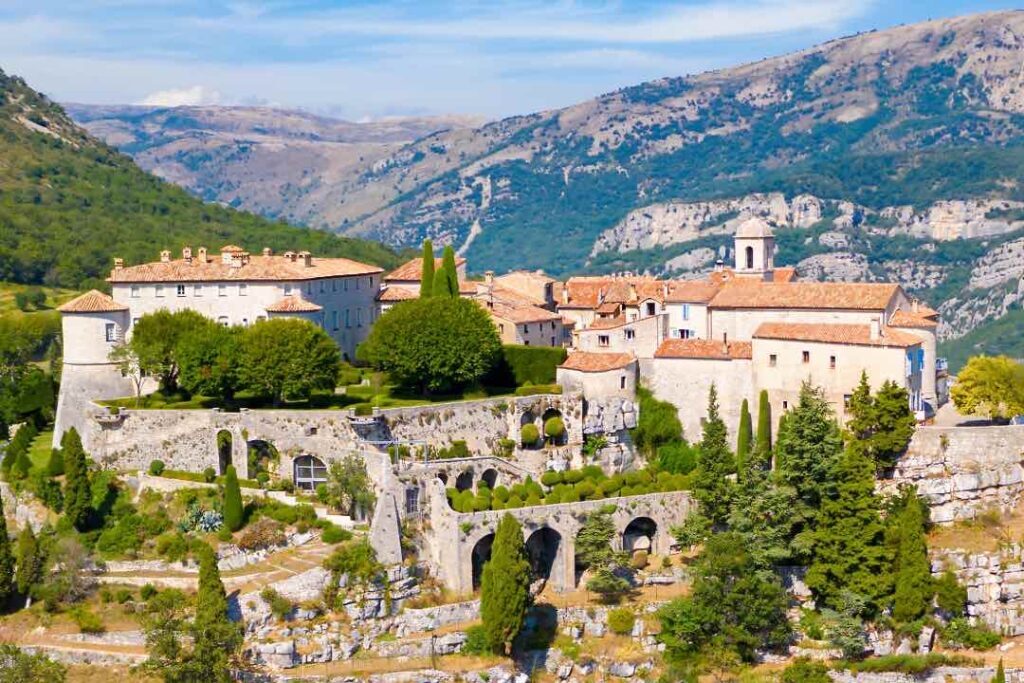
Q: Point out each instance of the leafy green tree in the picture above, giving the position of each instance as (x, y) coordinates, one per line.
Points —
(594, 541)
(349, 487)
(208, 360)
(734, 605)
(287, 358)
(6, 560)
(216, 638)
(19, 666)
(446, 281)
(808, 447)
(914, 585)
(743, 439)
(155, 339)
(427, 278)
(505, 586)
(433, 345)
(657, 425)
(990, 386)
(30, 562)
(711, 484)
(77, 489)
(234, 515)
(849, 551)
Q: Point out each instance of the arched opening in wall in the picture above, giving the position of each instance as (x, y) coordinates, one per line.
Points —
(638, 536)
(308, 471)
(443, 476)
(481, 554)
(261, 456)
(527, 418)
(553, 427)
(750, 258)
(490, 477)
(464, 481)
(224, 442)
(542, 549)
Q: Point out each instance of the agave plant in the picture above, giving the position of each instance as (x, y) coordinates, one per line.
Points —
(210, 520)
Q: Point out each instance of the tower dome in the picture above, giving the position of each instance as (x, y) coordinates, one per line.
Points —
(755, 249)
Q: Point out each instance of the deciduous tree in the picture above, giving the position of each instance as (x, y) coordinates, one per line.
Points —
(287, 358)
(505, 586)
(19, 666)
(348, 485)
(155, 340)
(990, 386)
(209, 359)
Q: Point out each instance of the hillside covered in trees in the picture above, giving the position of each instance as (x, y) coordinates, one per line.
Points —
(69, 204)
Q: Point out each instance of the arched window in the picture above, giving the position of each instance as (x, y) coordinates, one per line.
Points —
(750, 258)
(309, 471)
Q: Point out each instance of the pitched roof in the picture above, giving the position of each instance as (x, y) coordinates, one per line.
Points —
(704, 348)
(857, 335)
(826, 295)
(755, 226)
(391, 294)
(293, 304)
(519, 313)
(784, 274)
(910, 319)
(592, 291)
(270, 267)
(607, 323)
(692, 291)
(412, 270)
(588, 361)
(93, 301)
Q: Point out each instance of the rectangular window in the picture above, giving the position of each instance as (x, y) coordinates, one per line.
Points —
(181, 290)
(334, 285)
(111, 332)
(160, 291)
(346, 285)
(552, 324)
(846, 399)
(651, 308)
(370, 279)
(772, 360)
(135, 291)
(622, 382)
(552, 341)
(222, 290)
(501, 328)
(348, 318)
(323, 286)
(309, 288)
(785, 405)
(603, 340)
(807, 356)
(359, 316)
(287, 290)
(243, 289)
(334, 320)
(686, 311)
(357, 284)
(832, 362)
(526, 329)
(197, 290)
(630, 334)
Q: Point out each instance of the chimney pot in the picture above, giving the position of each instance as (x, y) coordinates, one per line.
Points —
(565, 295)
(306, 258)
(915, 305)
(202, 255)
(165, 256)
(186, 253)
(876, 329)
(118, 263)
(489, 278)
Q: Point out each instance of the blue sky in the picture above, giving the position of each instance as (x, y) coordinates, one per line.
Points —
(372, 59)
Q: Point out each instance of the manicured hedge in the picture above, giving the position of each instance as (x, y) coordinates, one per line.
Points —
(522, 364)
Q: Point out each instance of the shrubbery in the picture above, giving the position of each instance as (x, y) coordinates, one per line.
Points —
(621, 621)
(156, 468)
(960, 633)
(263, 533)
(529, 435)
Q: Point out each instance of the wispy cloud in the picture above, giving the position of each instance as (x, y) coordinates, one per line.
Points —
(180, 97)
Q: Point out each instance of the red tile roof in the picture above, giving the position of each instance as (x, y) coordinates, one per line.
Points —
(704, 348)
(519, 313)
(910, 319)
(93, 301)
(276, 268)
(692, 291)
(588, 361)
(858, 335)
(393, 293)
(293, 304)
(741, 293)
(607, 323)
(412, 271)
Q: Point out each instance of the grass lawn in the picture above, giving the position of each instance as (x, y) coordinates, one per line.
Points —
(39, 451)
(54, 296)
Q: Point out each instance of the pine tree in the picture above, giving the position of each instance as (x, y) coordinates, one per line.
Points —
(914, 586)
(505, 586)
(446, 281)
(894, 424)
(77, 495)
(1000, 676)
(849, 551)
(233, 511)
(861, 410)
(427, 277)
(808, 447)
(711, 485)
(6, 561)
(22, 466)
(30, 561)
(743, 439)
(216, 638)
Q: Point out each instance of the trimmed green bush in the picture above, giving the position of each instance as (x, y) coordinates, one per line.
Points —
(554, 428)
(961, 633)
(335, 534)
(551, 478)
(621, 621)
(529, 434)
(234, 515)
(156, 468)
(87, 621)
(209, 475)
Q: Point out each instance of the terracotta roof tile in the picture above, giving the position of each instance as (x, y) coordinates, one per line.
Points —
(824, 295)
(412, 271)
(704, 348)
(692, 291)
(858, 335)
(910, 319)
(393, 293)
(608, 323)
(93, 301)
(519, 313)
(608, 307)
(786, 274)
(294, 304)
(274, 268)
(588, 361)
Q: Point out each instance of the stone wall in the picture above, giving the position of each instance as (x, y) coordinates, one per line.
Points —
(994, 583)
(963, 471)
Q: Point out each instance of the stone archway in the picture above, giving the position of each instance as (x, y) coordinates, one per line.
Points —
(443, 477)
(464, 481)
(490, 477)
(260, 455)
(480, 556)
(542, 549)
(527, 418)
(549, 414)
(308, 471)
(639, 535)
(225, 443)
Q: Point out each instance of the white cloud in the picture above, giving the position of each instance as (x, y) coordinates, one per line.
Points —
(181, 97)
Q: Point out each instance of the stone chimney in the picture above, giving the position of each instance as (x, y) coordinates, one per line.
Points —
(565, 294)
(876, 329)
(186, 253)
(915, 305)
(165, 256)
(118, 263)
(719, 265)
(267, 251)
(203, 258)
(633, 296)
(664, 289)
(290, 255)
(306, 258)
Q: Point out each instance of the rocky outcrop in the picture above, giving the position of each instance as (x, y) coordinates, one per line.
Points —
(835, 267)
(1005, 263)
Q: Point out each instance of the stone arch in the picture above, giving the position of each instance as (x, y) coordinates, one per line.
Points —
(480, 556)
(542, 548)
(464, 481)
(308, 471)
(749, 252)
(443, 477)
(639, 535)
(258, 454)
(527, 417)
(225, 442)
(548, 414)
(490, 477)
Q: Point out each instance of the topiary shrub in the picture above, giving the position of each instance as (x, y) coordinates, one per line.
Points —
(572, 476)
(529, 435)
(551, 478)
(554, 428)
(156, 468)
(209, 475)
(621, 621)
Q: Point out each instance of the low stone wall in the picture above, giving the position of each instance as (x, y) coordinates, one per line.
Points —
(994, 583)
(963, 471)
(433, 618)
(942, 674)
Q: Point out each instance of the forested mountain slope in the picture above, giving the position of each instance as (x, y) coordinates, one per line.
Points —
(70, 203)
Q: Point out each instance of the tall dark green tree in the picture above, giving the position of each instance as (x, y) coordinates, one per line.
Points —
(77, 490)
(427, 270)
(744, 437)
(715, 462)
(6, 561)
(761, 451)
(914, 585)
(1000, 676)
(216, 638)
(505, 586)
(233, 511)
(894, 424)
(848, 544)
(808, 447)
(446, 280)
(30, 562)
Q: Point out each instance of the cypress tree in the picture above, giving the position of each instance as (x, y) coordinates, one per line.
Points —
(233, 512)
(55, 465)
(914, 586)
(761, 452)
(1000, 676)
(6, 560)
(427, 277)
(505, 586)
(77, 495)
(30, 561)
(216, 638)
(711, 485)
(22, 466)
(743, 439)
(446, 281)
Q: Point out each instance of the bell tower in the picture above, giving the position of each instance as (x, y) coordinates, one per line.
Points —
(755, 249)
